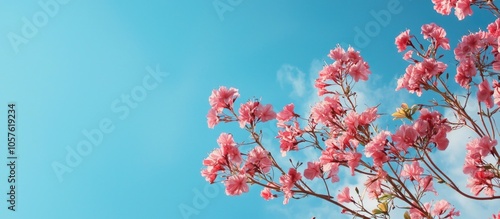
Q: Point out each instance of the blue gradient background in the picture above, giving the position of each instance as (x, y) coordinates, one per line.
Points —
(91, 52)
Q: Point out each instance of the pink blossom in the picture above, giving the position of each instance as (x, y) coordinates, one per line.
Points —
(444, 6)
(440, 207)
(496, 92)
(338, 54)
(247, 113)
(408, 55)
(344, 196)
(327, 111)
(419, 74)
(373, 184)
(463, 9)
(470, 45)
(223, 98)
(285, 115)
(404, 137)
(330, 72)
(403, 40)
(288, 182)
(258, 160)
(352, 122)
(353, 159)
(313, 170)
(251, 112)
(228, 148)
(288, 138)
(494, 28)
(368, 116)
(481, 146)
(375, 148)
(214, 163)
(212, 118)
(440, 138)
(485, 94)
(496, 216)
(332, 169)
(437, 33)
(266, 194)
(412, 171)
(359, 70)
(430, 124)
(265, 112)
(236, 184)
(329, 161)
(425, 184)
(465, 71)
(481, 182)
(209, 175)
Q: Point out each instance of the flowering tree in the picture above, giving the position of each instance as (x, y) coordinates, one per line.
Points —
(399, 169)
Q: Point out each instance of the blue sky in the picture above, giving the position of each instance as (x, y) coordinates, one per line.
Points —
(76, 69)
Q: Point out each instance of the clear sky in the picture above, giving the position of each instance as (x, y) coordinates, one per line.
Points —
(135, 76)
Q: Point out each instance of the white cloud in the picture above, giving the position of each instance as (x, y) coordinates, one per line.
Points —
(292, 75)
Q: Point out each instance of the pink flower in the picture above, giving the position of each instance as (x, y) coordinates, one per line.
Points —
(228, 148)
(408, 55)
(266, 194)
(223, 98)
(212, 118)
(376, 147)
(465, 71)
(485, 94)
(265, 112)
(214, 163)
(403, 40)
(288, 138)
(412, 171)
(258, 160)
(236, 184)
(494, 28)
(481, 146)
(288, 182)
(496, 92)
(440, 138)
(463, 9)
(344, 196)
(437, 33)
(404, 137)
(360, 70)
(326, 111)
(338, 54)
(353, 160)
(373, 184)
(496, 216)
(426, 184)
(285, 115)
(440, 207)
(251, 112)
(313, 170)
(368, 116)
(247, 113)
(444, 6)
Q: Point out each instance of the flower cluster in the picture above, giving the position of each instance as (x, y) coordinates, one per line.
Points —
(397, 165)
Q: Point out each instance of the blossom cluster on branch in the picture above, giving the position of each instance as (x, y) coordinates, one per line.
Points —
(399, 169)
